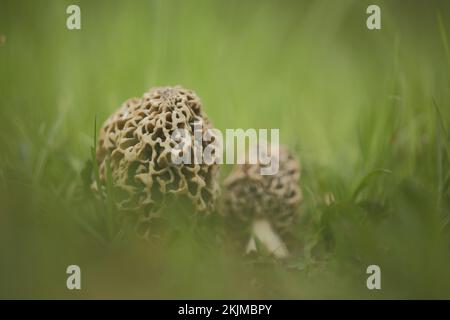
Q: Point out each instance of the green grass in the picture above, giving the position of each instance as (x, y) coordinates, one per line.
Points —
(367, 112)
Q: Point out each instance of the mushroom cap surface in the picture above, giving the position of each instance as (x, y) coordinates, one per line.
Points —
(136, 142)
(250, 195)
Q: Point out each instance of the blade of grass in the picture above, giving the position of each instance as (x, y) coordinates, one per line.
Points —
(110, 200)
(443, 34)
(442, 127)
(440, 144)
(94, 157)
(365, 181)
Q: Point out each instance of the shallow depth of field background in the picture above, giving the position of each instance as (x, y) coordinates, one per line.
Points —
(367, 112)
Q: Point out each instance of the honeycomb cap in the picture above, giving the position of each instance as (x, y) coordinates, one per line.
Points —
(250, 196)
(137, 142)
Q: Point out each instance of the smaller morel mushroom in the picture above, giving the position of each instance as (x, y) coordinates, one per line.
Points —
(267, 204)
(136, 143)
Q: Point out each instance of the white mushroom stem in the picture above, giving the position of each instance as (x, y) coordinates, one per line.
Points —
(262, 229)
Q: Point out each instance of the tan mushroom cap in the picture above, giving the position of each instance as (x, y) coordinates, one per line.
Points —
(137, 142)
(250, 196)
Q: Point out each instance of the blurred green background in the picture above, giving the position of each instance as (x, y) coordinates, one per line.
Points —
(367, 112)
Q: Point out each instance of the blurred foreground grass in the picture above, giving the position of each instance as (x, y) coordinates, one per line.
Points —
(367, 112)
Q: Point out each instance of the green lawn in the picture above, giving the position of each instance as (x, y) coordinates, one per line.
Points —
(367, 112)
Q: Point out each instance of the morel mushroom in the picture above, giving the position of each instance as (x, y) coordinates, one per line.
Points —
(266, 203)
(136, 143)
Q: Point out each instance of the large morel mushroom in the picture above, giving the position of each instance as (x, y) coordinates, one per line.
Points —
(267, 204)
(136, 143)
